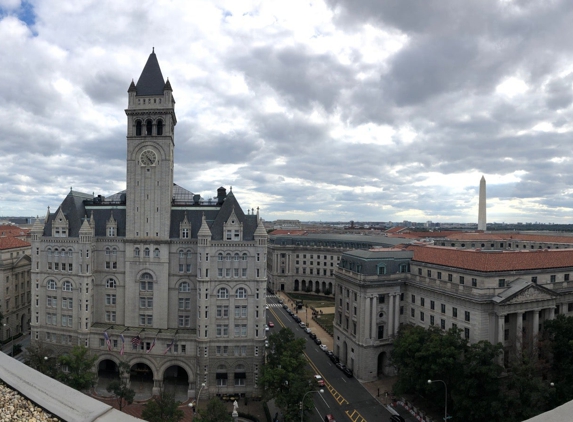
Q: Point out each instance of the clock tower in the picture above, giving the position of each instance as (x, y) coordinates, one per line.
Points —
(150, 144)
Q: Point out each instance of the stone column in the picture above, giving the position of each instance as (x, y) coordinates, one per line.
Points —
(500, 329)
(390, 314)
(535, 330)
(366, 318)
(374, 325)
(551, 313)
(519, 332)
(396, 313)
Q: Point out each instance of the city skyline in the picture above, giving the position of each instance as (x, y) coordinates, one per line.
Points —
(331, 111)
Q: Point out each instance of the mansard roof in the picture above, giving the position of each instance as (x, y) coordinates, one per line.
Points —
(493, 261)
(73, 208)
(151, 81)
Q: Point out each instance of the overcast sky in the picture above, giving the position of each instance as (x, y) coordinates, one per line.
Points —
(312, 110)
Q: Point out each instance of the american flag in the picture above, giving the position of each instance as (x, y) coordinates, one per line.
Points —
(122, 344)
(169, 347)
(152, 345)
(107, 340)
(136, 340)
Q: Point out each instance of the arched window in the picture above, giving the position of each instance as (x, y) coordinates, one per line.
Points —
(70, 252)
(220, 256)
(146, 252)
(221, 376)
(146, 282)
(188, 253)
(181, 254)
(244, 257)
(160, 127)
(52, 285)
(240, 375)
(114, 251)
(107, 251)
(49, 251)
(136, 252)
(228, 257)
(223, 293)
(110, 283)
(138, 128)
(184, 287)
(148, 126)
(156, 252)
(67, 286)
(56, 252)
(241, 293)
(237, 257)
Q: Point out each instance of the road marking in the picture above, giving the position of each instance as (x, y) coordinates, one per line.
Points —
(279, 321)
(355, 416)
(337, 396)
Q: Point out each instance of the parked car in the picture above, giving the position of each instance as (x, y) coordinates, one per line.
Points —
(280, 301)
(285, 306)
(323, 348)
(334, 358)
(396, 418)
(266, 327)
(307, 330)
(302, 325)
(319, 380)
(340, 366)
(271, 324)
(317, 341)
(348, 372)
(329, 418)
(296, 318)
(312, 335)
(329, 353)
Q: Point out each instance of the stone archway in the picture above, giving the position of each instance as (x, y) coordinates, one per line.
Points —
(176, 382)
(107, 371)
(141, 380)
(296, 286)
(303, 286)
(382, 358)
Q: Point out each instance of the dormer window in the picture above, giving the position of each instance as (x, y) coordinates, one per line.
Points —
(233, 228)
(111, 227)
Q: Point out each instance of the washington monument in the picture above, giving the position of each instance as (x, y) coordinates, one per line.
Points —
(481, 213)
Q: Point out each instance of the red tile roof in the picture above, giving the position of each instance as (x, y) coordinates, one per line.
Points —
(9, 230)
(485, 261)
(12, 242)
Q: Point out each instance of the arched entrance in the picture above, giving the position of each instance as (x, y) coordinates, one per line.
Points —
(107, 371)
(381, 364)
(141, 380)
(330, 288)
(344, 353)
(296, 285)
(303, 287)
(323, 286)
(176, 382)
(309, 286)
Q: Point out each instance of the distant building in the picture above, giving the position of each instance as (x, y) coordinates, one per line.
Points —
(155, 275)
(15, 294)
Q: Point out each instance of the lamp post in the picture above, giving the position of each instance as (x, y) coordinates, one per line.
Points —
(11, 340)
(194, 404)
(446, 401)
(302, 402)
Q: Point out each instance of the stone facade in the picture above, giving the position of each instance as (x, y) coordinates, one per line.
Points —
(177, 283)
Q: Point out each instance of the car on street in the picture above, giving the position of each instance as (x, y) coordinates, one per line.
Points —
(281, 301)
(266, 306)
(307, 330)
(271, 324)
(285, 306)
(340, 366)
(317, 341)
(334, 358)
(302, 325)
(266, 327)
(348, 372)
(312, 335)
(329, 418)
(319, 380)
(296, 318)
(323, 348)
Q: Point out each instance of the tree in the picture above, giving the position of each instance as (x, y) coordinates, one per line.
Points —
(215, 412)
(285, 377)
(36, 357)
(162, 408)
(77, 368)
(120, 387)
(557, 348)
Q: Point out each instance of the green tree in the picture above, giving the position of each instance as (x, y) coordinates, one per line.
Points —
(216, 411)
(557, 347)
(162, 408)
(36, 356)
(285, 377)
(76, 369)
(120, 387)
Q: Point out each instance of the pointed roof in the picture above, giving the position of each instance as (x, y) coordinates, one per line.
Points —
(204, 230)
(151, 81)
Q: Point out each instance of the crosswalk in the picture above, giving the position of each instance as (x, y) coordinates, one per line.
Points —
(274, 305)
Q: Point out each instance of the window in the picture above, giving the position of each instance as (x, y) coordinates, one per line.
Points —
(432, 304)
(184, 321)
(566, 277)
(412, 312)
(241, 311)
(145, 319)
(222, 330)
(240, 330)
(413, 298)
(67, 303)
(421, 316)
(52, 301)
(432, 321)
(222, 311)
(184, 304)
(450, 277)
(443, 324)
(156, 252)
(110, 299)
(467, 316)
(429, 272)
(110, 283)
(184, 287)
(422, 301)
(146, 252)
(443, 308)
(136, 252)
(439, 275)
(51, 285)
(467, 333)
(223, 293)
(241, 293)
(146, 302)
(110, 316)
(455, 312)
(474, 282)
(501, 282)
(552, 278)
(67, 286)
(462, 279)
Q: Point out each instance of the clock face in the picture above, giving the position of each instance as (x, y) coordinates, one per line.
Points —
(148, 158)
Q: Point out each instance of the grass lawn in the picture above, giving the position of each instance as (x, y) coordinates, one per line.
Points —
(327, 322)
(316, 301)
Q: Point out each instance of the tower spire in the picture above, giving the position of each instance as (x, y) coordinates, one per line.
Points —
(482, 221)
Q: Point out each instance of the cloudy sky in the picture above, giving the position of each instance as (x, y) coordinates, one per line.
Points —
(312, 110)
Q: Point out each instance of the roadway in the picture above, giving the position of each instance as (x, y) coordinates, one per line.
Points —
(345, 398)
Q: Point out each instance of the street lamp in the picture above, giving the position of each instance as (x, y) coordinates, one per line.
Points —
(11, 339)
(195, 403)
(446, 401)
(302, 402)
